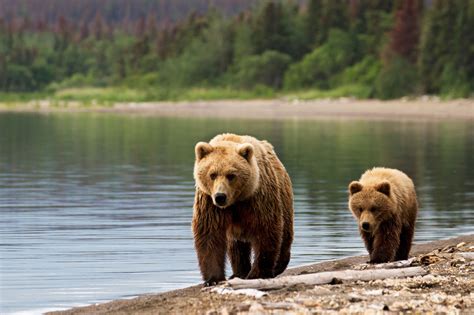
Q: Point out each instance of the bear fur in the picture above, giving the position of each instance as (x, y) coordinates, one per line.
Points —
(385, 205)
(243, 202)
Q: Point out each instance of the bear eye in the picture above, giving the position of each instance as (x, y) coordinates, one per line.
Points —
(360, 209)
(373, 209)
(213, 176)
(230, 177)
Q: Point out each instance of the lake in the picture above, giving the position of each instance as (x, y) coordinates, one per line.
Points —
(95, 207)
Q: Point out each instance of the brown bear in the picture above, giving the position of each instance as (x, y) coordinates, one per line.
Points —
(243, 202)
(385, 205)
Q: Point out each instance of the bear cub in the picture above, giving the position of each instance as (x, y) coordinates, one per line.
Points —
(243, 203)
(385, 205)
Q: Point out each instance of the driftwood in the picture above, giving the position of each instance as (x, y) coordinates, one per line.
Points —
(467, 255)
(389, 265)
(325, 278)
(249, 292)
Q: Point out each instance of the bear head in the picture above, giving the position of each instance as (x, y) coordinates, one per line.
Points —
(371, 204)
(227, 171)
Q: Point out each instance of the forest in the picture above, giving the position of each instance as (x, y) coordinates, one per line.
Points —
(160, 48)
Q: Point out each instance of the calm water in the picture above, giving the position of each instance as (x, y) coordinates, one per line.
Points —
(98, 207)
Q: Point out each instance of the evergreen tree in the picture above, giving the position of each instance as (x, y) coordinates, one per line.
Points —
(269, 29)
(437, 42)
(335, 15)
(313, 23)
(404, 36)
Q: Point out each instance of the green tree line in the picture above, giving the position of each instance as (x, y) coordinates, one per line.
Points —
(364, 48)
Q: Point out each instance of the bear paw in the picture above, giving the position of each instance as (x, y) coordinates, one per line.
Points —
(212, 282)
(238, 275)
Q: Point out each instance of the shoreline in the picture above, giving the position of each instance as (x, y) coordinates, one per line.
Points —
(276, 109)
(194, 300)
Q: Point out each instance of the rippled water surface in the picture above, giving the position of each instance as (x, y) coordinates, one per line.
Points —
(98, 207)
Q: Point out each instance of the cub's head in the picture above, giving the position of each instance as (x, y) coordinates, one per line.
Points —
(371, 204)
(226, 171)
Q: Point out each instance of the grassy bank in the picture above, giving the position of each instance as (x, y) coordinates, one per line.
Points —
(111, 95)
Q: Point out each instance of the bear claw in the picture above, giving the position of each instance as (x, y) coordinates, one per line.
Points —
(210, 283)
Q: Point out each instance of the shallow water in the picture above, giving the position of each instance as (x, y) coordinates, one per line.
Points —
(95, 207)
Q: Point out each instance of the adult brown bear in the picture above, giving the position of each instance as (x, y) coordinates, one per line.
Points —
(243, 202)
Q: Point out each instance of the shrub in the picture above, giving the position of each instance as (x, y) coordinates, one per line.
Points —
(454, 83)
(265, 69)
(397, 78)
(319, 66)
(363, 73)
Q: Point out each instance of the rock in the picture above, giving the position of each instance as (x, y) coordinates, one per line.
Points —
(378, 306)
(309, 302)
(256, 308)
(399, 306)
(355, 298)
(333, 304)
(438, 298)
(374, 292)
(319, 290)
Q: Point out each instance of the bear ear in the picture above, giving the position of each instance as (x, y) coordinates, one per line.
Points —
(245, 150)
(202, 149)
(384, 188)
(355, 187)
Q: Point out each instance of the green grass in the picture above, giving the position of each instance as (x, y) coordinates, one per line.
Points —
(14, 97)
(110, 95)
(95, 96)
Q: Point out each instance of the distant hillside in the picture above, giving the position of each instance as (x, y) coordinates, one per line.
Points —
(362, 48)
(115, 11)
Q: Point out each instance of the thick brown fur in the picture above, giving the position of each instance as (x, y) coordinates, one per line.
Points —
(385, 205)
(257, 215)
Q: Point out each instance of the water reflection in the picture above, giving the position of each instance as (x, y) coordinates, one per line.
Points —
(96, 207)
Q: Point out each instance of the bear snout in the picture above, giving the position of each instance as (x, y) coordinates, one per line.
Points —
(220, 199)
(365, 226)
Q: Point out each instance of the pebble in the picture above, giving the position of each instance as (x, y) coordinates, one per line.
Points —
(374, 292)
(399, 306)
(438, 298)
(256, 308)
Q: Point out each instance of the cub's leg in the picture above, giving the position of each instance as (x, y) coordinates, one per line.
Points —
(406, 238)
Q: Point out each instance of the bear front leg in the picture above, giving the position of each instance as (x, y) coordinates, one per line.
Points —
(266, 254)
(368, 241)
(406, 238)
(211, 250)
(239, 254)
(209, 239)
(386, 243)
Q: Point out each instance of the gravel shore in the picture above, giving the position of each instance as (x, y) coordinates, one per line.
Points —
(446, 288)
(424, 108)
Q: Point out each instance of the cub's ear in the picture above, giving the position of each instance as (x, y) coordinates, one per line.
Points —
(355, 187)
(245, 150)
(384, 188)
(202, 149)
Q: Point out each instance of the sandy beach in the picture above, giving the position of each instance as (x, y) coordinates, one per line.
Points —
(446, 287)
(402, 109)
